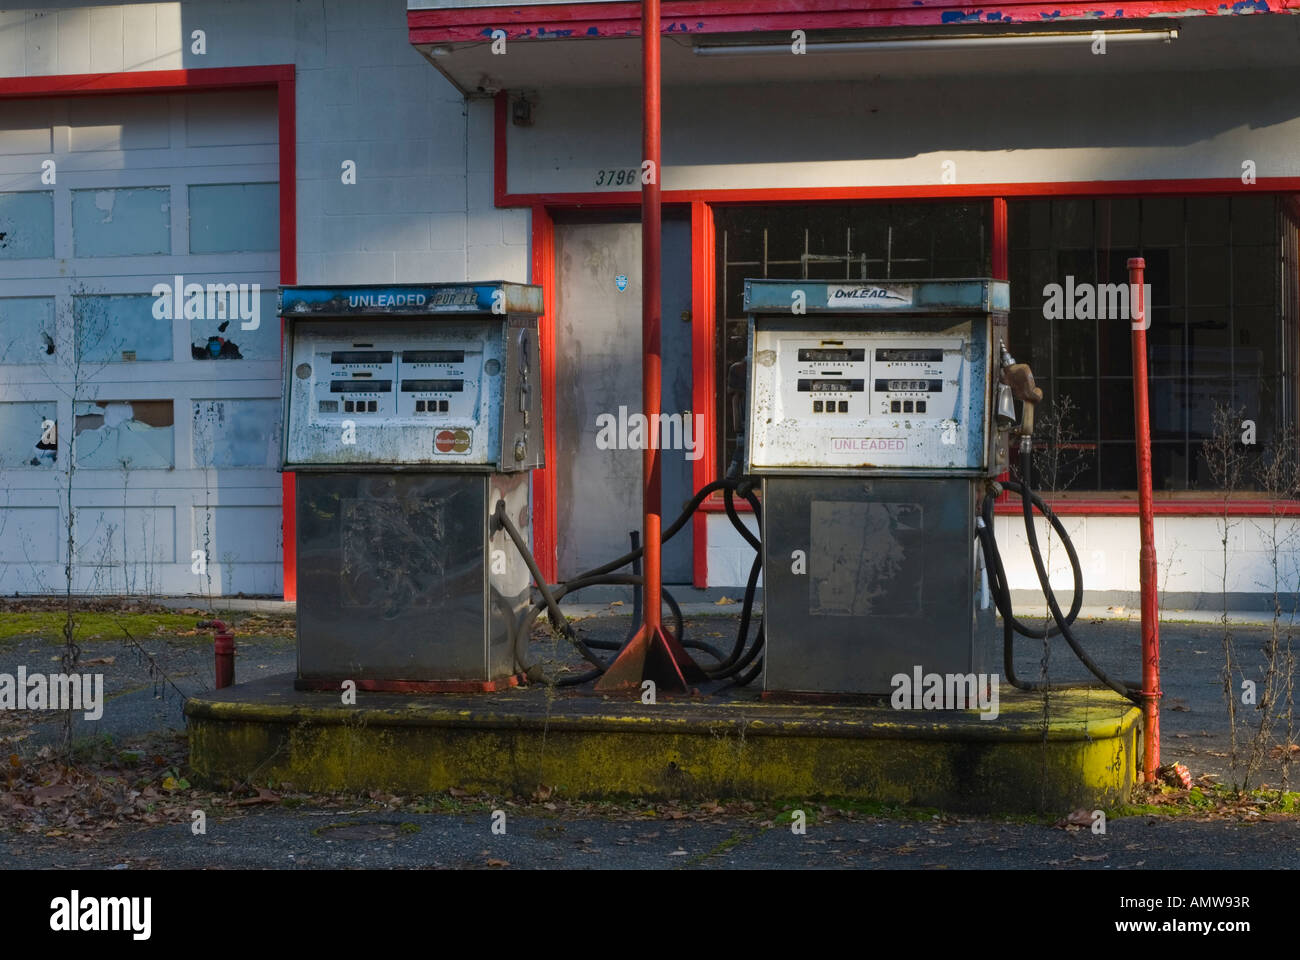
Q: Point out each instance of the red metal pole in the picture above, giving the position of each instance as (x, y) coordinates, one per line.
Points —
(652, 654)
(1146, 519)
(651, 305)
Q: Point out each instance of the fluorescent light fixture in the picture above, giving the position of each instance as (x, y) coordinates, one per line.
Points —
(959, 42)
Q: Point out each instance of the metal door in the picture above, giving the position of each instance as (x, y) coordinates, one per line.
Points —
(598, 371)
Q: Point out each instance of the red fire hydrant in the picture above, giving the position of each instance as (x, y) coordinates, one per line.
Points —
(224, 647)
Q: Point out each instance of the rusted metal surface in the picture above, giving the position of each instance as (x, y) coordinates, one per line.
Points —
(223, 648)
(1146, 528)
(653, 654)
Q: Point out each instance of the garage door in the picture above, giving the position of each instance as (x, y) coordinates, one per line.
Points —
(139, 347)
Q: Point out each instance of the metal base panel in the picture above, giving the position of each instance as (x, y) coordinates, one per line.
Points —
(866, 578)
(402, 578)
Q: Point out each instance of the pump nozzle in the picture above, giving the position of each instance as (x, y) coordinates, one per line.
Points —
(1020, 378)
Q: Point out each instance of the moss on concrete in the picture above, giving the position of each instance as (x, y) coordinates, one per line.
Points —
(686, 749)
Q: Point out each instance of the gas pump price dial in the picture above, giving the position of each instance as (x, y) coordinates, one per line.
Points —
(888, 400)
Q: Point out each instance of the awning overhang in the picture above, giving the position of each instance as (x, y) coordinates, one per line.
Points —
(586, 43)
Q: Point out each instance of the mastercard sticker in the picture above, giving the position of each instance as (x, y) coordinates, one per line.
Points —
(453, 441)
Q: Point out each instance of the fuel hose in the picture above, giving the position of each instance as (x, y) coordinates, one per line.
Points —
(1062, 623)
(744, 655)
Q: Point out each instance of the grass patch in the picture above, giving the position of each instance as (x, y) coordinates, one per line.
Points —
(1216, 800)
(46, 626)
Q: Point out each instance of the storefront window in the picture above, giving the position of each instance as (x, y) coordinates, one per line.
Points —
(1217, 339)
(876, 241)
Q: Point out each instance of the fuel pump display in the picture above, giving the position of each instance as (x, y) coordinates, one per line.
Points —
(410, 413)
(870, 425)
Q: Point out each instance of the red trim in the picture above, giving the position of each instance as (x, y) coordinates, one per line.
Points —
(999, 255)
(1000, 259)
(561, 21)
(1200, 507)
(1081, 188)
(145, 81)
(286, 103)
(280, 77)
(546, 499)
(704, 386)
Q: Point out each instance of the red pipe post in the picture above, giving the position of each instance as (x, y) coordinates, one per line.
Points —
(651, 305)
(1146, 525)
(652, 653)
(224, 651)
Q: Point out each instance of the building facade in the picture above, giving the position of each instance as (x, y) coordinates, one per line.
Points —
(235, 146)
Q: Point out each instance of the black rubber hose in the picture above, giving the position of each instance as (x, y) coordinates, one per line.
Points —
(1002, 592)
(523, 628)
(736, 662)
(1024, 629)
(726, 666)
(557, 617)
(664, 537)
(1026, 467)
(635, 537)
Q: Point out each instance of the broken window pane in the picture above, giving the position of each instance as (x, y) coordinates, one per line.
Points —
(124, 434)
(223, 337)
(26, 225)
(26, 329)
(29, 435)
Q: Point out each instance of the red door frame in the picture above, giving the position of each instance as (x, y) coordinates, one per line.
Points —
(277, 77)
(703, 301)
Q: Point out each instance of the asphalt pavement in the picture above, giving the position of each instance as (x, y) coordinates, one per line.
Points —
(145, 696)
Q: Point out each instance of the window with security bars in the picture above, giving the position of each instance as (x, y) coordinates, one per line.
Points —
(1220, 333)
(867, 241)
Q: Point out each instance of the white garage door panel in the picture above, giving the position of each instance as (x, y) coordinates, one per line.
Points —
(119, 123)
(27, 535)
(171, 417)
(25, 129)
(228, 119)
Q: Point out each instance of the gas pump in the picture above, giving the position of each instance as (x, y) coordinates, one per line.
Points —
(877, 417)
(871, 425)
(410, 414)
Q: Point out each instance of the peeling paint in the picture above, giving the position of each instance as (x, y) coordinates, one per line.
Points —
(217, 347)
(104, 201)
(236, 433)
